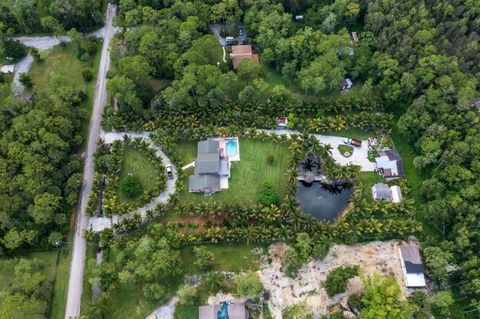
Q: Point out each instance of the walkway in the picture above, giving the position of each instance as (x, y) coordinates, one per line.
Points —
(359, 156)
(75, 282)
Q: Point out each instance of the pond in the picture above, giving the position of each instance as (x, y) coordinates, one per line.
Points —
(323, 201)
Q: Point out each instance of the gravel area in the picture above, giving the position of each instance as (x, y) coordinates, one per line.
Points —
(375, 257)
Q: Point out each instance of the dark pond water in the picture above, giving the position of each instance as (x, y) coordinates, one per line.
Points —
(323, 201)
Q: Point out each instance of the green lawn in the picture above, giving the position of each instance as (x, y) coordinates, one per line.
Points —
(136, 163)
(186, 151)
(345, 150)
(248, 175)
(64, 61)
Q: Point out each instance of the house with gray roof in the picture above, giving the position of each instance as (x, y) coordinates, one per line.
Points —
(390, 164)
(382, 191)
(412, 266)
(211, 166)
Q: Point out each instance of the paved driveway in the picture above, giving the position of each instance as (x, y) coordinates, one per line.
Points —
(217, 27)
(359, 156)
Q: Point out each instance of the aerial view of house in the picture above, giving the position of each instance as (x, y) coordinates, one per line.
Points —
(413, 267)
(383, 191)
(390, 164)
(241, 52)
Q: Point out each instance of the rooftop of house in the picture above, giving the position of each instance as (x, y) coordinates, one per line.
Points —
(391, 163)
(204, 181)
(240, 52)
(412, 259)
(381, 191)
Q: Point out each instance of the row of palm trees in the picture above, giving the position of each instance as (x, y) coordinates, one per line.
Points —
(376, 122)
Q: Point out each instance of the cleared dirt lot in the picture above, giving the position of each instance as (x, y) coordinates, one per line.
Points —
(375, 257)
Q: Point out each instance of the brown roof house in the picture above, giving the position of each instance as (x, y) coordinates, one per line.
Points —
(240, 52)
(390, 164)
(224, 310)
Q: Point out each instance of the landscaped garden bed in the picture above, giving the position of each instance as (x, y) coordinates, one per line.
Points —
(345, 150)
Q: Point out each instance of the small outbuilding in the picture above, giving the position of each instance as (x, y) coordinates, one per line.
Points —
(355, 37)
(412, 266)
(346, 84)
(382, 191)
(7, 68)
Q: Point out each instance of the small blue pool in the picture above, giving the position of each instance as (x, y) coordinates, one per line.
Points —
(231, 148)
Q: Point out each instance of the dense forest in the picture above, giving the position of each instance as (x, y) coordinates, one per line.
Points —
(25, 17)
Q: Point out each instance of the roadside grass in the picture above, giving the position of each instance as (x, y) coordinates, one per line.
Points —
(136, 163)
(345, 150)
(63, 61)
(56, 272)
(249, 175)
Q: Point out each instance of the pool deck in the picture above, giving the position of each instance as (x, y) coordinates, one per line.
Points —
(223, 145)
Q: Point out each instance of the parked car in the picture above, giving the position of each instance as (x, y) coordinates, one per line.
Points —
(240, 32)
(229, 40)
(353, 142)
(169, 171)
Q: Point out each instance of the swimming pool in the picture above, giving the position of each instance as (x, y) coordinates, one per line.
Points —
(231, 148)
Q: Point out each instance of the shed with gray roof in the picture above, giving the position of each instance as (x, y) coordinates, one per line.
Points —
(381, 191)
(412, 266)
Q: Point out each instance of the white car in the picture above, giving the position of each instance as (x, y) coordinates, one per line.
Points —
(169, 170)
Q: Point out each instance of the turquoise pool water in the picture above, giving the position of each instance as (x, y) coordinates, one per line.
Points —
(231, 148)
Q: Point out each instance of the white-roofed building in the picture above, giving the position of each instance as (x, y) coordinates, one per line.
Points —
(412, 266)
(7, 68)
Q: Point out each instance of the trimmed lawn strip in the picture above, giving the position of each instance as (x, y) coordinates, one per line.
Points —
(370, 178)
(344, 149)
(136, 163)
(249, 175)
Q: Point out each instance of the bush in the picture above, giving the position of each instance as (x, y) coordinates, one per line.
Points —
(187, 295)
(87, 75)
(270, 159)
(15, 49)
(298, 311)
(268, 196)
(291, 262)
(84, 57)
(248, 284)
(131, 186)
(204, 258)
(26, 80)
(337, 279)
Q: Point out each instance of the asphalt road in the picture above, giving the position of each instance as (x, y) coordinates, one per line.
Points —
(75, 282)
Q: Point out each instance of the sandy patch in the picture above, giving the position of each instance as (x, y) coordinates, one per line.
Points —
(375, 257)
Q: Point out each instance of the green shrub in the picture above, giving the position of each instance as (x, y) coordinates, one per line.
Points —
(337, 279)
(291, 262)
(248, 284)
(25, 80)
(131, 186)
(298, 311)
(204, 258)
(270, 159)
(268, 196)
(188, 295)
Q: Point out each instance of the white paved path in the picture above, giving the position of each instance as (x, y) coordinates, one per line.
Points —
(359, 156)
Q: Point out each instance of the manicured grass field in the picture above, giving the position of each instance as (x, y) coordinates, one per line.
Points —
(345, 150)
(136, 163)
(186, 151)
(250, 174)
